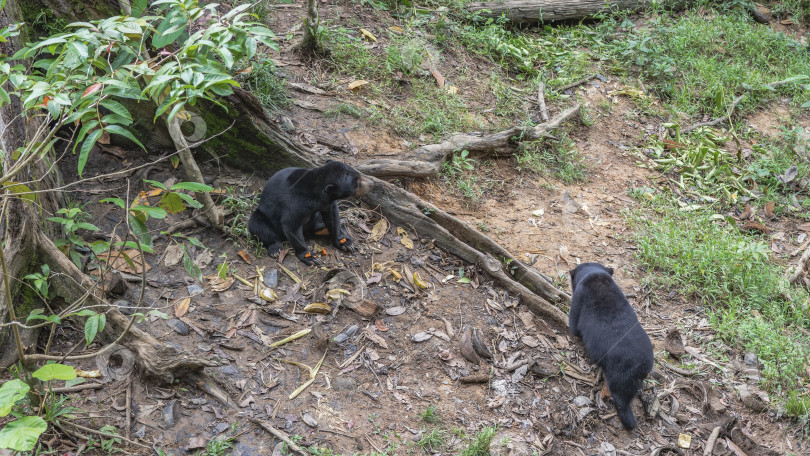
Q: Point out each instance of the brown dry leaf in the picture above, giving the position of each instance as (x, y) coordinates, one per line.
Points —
(104, 138)
(375, 338)
(381, 326)
(787, 22)
(804, 226)
(357, 84)
(466, 347)
(755, 226)
(769, 209)
(87, 374)
(219, 285)
(181, 307)
(245, 71)
(204, 258)
(748, 212)
(128, 261)
(396, 29)
(405, 240)
(673, 343)
(379, 230)
(370, 36)
(318, 308)
(336, 293)
(421, 336)
(438, 76)
(245, 256)
(417, 280)
(173, 255)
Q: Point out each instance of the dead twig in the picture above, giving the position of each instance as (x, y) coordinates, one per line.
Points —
(77, 388)
(576, 83)
(541, 100)
(281, 435)
(710, 443)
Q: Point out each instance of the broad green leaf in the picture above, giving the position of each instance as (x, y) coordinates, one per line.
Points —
(155, 184)
(87, 226)
(138, 8)
(116, 108)
(193, 186)
(189, 200)
(154, 212)
(191, 267)
(20, 189)
(91, 328)
(117, 201)
(22, 434)
(11, 392)
(172, 203)
(119, 130)
(88, 144)
(55, 371)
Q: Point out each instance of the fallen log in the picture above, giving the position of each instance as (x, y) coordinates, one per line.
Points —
(529, 11)
(427, 160)
(462, 240)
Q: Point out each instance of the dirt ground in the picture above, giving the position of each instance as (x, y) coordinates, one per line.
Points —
(387, 369)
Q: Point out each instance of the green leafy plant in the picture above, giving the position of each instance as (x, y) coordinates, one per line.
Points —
(22, 434)
(479, 446)
(40, 280)
(71, 221)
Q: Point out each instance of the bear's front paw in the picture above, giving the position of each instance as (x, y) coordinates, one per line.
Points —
(309, 258)
(274, 250)
(346, 244)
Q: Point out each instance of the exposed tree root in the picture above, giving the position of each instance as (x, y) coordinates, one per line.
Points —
(427, 160)
(464, 241)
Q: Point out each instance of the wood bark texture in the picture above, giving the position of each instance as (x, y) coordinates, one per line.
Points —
(427, 160)
(525, 11)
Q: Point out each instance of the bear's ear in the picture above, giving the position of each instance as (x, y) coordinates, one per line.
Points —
(329, 189)
(609, 270)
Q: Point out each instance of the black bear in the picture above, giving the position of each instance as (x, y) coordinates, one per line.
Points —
(297, 202)
(614, 339)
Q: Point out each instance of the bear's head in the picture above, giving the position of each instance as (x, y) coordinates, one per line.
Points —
(343, 181)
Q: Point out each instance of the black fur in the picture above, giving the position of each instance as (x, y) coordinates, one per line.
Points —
(601, 315)
(297, 202)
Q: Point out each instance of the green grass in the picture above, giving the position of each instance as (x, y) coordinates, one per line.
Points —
(730, 275)
(431, 415)
(268, 88)
(558, 158)
(433, 441)
(699, 62)
(479, 444)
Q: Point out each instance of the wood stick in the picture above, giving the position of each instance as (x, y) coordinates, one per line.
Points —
(541, 100)
(281, 435)
(710, 443)
(73, 389)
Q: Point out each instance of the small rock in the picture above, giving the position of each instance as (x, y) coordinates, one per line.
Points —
(607, 449)
(352, 330)
(194, 289)
(171, 412)
(580, 401)
(271, 278)
(309, 420)
(229, 370)
(195, 443)
(421, 336)
(178, 326)
(340, 338)
(141, 432)
(751, 359)
(673, 343)
(220, 428)
(344, 384)
(394, 311)
(280, 449)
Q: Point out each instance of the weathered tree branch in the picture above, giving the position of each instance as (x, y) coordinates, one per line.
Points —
(525, 11)
(464, 241)
(427, 160)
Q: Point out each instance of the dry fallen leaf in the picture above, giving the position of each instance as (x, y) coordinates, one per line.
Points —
(375, 338)
(318, 308)
(438, 76)
(219, 285)
(357, 84)
(379, 230)
(769, 209)
(87, 374)
(174, 253)
(396, 29)
(204, 258)
(128, 261)
(370, 36)
(394, 311)
(245, 256)
(421, 336)
(181, 307)
(404, 239)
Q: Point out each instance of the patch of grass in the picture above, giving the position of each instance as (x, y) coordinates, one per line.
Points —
(429, 110)
(746, 297)
(268, 88)
(560, 159)
(699, 61)
(217, 447)
(344, 108)
(431, 415)
(242, 206)
(459, 171)
(479, 446)
(349, 55)
(405, 54)
(433, 441)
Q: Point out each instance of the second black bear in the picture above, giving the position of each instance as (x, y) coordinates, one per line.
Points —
(614, 339)
(297, 202)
